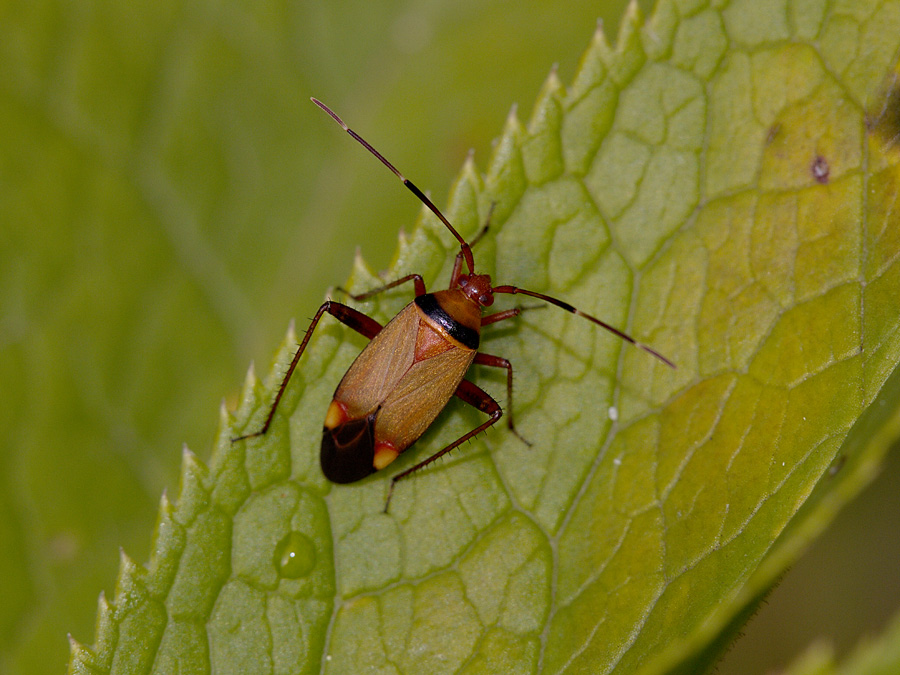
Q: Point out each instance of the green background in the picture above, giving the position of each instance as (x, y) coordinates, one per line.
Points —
(170, 200)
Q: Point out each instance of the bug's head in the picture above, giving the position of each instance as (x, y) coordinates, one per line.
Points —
(477, 288)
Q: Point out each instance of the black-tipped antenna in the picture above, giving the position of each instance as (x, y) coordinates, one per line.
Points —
(514, 290)
(466, 249)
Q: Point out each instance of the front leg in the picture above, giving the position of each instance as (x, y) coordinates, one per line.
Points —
(499, 362)
(475, 397)
(418, 285)
(362, 324)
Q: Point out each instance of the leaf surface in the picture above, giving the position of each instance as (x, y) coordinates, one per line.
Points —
(722, 184)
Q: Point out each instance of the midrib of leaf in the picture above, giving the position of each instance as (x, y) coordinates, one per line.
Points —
(628, 545)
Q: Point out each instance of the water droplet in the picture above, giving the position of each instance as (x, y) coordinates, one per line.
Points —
(295, 556)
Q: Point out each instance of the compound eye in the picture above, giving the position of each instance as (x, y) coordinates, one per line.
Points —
(486, 300)
(463, 281)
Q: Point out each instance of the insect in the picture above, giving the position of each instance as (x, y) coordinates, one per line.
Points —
(413, 366)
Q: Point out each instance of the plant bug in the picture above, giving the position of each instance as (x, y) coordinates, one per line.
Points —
(412, 366)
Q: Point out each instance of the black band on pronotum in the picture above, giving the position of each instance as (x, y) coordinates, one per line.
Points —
(462, 334)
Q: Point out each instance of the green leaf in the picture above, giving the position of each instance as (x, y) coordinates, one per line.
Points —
(872, 657)
(722, 186)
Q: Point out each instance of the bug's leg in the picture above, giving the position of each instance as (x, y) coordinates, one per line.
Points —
(362, 324)
(457, 270)
(418, 284)
(499, 362)
(507, 314)
(500, 316)
(475, 397)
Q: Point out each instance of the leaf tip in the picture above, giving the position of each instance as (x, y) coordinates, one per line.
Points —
(226, 419)
(552, 84)
(250, 382)
(190, 462)
(128, 587)
(600, 43)
(549, 97)
(193, 473)
(512, 117)
(360, 266)
(250, 377)
(165, 505)
(82, 659)
(127, 565)
(290, 337)
(633, 17)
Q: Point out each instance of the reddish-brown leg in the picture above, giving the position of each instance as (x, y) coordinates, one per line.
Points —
(418, 283)
(457, 270)
(362, 324)
(457, 264)
(500, 362)
(507, 314)
(475, 397)
(500, 316)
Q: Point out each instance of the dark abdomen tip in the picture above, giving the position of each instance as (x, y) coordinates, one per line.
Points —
(348, 451)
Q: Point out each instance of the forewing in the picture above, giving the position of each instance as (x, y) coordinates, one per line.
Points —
(420, 395)
(380, 366)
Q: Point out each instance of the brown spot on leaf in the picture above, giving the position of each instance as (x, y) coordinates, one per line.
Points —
(820, 169)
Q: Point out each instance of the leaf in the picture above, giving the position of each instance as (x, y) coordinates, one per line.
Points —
(872, 657)
(735, 238)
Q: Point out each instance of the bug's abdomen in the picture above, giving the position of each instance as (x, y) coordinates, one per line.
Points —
(391, 394)
(348, 450)
(353, 448)
(380, 366)
(419, 397)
